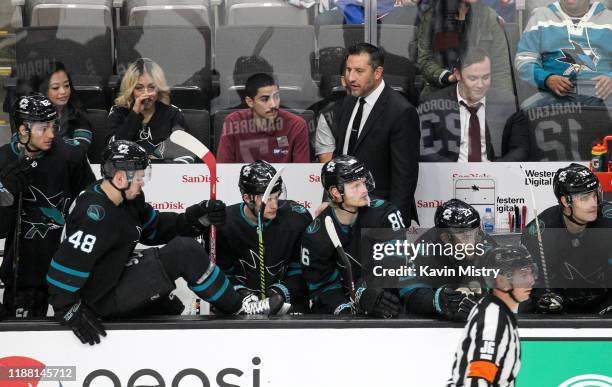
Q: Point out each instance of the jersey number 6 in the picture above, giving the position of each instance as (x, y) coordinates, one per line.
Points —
(305, 257)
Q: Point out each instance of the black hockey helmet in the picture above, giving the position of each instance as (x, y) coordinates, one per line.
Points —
(33, 108)
(456, 213)
(508, 259)
(344, 169)
(123, 155)
(255, 177)
(575, 179)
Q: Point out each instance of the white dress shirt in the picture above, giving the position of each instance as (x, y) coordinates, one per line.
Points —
(370, 100)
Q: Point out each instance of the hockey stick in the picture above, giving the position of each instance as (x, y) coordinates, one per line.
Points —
(192, 144)
(16, 245)
(539, 232)
(333, 235)
(264, 200)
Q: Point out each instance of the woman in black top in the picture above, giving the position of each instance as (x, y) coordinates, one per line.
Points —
(72, 123)
(142, 112)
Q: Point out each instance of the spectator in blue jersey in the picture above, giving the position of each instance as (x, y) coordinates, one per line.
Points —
(565, 51)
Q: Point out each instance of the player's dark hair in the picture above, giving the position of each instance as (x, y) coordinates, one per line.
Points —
(377, 57)
(257, 81)
(470, 56)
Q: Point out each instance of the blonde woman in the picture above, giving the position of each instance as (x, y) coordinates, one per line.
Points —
(142, 112)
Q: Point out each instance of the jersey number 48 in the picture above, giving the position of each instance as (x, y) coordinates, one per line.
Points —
(83, 241)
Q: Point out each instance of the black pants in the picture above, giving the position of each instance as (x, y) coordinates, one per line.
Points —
(149, 278)
(30, 302)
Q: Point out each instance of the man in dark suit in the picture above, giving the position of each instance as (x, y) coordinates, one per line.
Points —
(455, 121)
(381, 128)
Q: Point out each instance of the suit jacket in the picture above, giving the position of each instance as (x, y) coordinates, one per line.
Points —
(388, 145)
(441, 127)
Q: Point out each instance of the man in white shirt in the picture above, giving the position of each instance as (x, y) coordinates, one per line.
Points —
(381, 128)
(454, 124)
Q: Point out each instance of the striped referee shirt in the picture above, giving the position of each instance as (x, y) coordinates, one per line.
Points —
(489, 353)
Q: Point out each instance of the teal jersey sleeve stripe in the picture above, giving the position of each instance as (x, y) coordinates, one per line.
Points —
(61, 285)
(331, 287)
(411, 288)
(294, 272)
(68, 270)
(153, 235)
(151, 218)
(219, 293)
(208, 282)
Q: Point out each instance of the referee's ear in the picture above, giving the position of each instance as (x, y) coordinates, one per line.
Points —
(502, 283)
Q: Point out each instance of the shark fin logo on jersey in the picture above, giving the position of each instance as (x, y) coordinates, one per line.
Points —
(298, 208)
(314, 226)
(96, 212)
(250, 264)
(376, 203)
(41, 213)
(606, 211)
(578, 59)
(572, 273)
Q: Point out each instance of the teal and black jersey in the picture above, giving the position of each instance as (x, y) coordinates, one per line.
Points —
(98, 241)
(323, 270)
(579, 266)
(439, 256)
(56, 177)
(238, 251)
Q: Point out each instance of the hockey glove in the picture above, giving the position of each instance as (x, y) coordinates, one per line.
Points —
(279, 299)
(346, 309)
(206, 212)
(378, 302)
(550, 303)
(453, 304)
(84, 323)
(14, 178)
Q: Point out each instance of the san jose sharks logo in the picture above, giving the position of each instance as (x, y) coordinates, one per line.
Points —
(250, 264)
(595, 277)
(43, 213)
(579, 59)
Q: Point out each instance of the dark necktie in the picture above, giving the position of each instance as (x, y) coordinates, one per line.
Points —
(355, 127)
(474, 154)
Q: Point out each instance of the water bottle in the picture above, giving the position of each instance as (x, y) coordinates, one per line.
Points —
(598, 158)
(488, 221)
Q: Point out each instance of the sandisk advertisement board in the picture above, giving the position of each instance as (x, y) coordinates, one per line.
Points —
(499, 186)
(372, 357)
